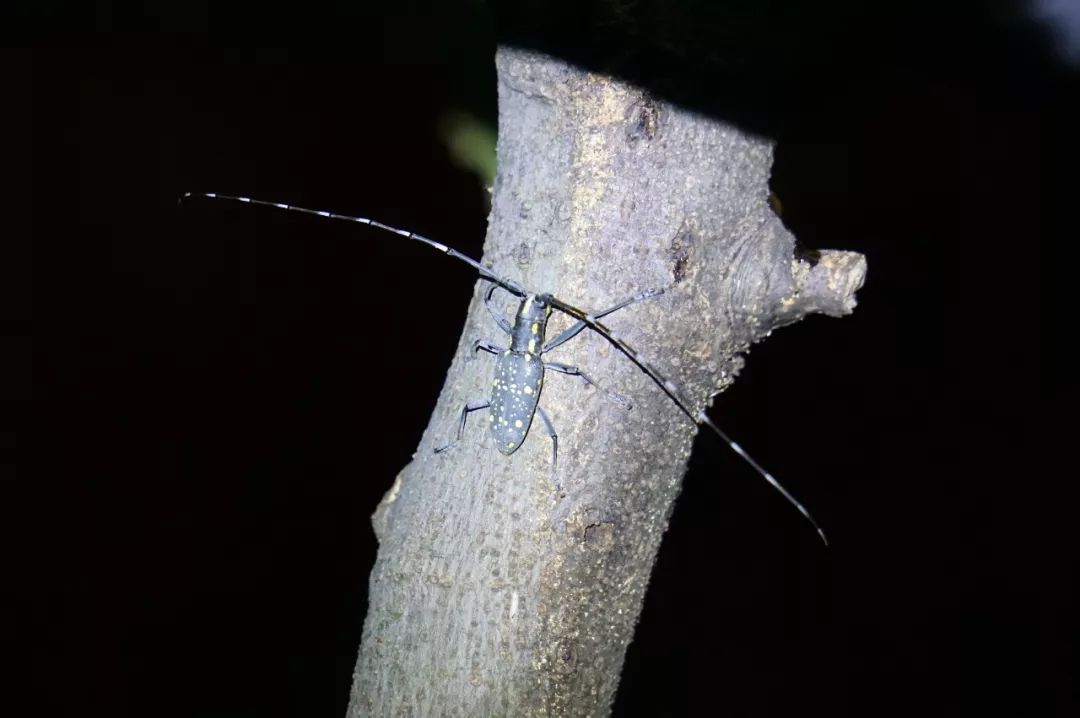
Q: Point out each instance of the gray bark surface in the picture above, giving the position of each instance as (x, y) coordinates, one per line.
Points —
(492, 594)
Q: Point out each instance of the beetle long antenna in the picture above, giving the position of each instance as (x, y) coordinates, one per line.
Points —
(484, 271)
(764, 474)
(698, 417)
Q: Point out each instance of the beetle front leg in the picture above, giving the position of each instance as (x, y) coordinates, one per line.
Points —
(577, 327)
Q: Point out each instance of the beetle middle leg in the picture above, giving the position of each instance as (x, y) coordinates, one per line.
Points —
(574, 371)
(481, 345)
(465, 411)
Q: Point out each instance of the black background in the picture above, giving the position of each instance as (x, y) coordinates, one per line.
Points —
(227, 391)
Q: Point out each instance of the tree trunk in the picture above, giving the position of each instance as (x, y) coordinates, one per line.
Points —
(494, 593)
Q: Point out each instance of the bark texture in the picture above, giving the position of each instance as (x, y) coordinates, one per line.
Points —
(493, 594)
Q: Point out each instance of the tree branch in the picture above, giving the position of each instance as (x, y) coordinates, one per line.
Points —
(493, 594)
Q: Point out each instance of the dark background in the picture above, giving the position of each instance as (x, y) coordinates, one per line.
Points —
(227, 392)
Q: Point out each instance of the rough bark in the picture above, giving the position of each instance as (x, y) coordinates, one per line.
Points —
(492, 593)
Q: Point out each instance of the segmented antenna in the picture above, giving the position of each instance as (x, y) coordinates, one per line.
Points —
(698, 417)
(484, 271)
(668, 386)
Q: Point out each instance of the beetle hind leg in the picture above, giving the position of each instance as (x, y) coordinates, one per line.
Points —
(554, 446)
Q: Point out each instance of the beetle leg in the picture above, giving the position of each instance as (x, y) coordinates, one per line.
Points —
(494, 311)
(468, 408)
(577, 327)
(554, 445)
(481, 345)
(574, 371)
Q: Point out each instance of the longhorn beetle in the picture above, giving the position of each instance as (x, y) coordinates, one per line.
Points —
(519, 373)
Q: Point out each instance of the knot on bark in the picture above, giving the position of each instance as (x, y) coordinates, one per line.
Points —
(826, 286)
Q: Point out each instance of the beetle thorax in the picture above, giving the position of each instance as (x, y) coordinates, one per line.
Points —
(530, 322)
